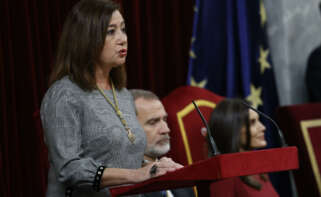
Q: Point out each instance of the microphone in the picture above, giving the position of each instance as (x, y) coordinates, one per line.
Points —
(280, 133)
(214, 148)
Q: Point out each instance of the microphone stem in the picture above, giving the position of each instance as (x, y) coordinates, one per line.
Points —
(214, 148)
(281, 137)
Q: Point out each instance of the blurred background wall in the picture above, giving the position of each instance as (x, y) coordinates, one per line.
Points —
(294, 30)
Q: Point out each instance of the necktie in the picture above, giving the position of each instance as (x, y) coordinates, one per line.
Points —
(164, 194)
(167, 193)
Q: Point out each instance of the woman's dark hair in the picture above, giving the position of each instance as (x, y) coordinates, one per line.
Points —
(226, 122)
(81, 43)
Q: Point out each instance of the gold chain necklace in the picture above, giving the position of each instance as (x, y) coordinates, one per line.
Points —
(115, 106)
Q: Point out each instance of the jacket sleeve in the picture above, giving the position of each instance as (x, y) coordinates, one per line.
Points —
(60, 115)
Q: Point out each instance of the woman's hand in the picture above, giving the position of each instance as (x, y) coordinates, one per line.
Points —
(155, 169)
(168, 165)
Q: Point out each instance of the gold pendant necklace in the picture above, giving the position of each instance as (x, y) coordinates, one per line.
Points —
(130, 134)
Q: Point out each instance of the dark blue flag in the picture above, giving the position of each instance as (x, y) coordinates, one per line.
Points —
(229, 55)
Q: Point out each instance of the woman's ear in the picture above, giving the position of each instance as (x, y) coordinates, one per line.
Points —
(204, 132)
(205, 145)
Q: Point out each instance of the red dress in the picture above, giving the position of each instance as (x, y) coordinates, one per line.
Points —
(234, 187)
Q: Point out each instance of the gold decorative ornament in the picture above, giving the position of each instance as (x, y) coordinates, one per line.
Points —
(115, 106)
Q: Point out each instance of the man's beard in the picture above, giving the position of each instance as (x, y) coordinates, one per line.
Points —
(157, 150)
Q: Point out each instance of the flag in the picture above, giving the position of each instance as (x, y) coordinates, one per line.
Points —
(230, 56)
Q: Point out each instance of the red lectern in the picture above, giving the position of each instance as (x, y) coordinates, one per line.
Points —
(216, 168)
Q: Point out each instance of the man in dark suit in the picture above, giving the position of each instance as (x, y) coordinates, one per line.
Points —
(313, 74)
(153, 118)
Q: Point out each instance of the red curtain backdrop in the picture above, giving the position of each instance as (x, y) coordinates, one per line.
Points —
(159, 34)
(159, 40)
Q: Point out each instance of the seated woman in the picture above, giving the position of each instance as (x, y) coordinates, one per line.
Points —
(236, 128)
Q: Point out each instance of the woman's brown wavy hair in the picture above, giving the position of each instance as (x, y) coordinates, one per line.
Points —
(81, 43)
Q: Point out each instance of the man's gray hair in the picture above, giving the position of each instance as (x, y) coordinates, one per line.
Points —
(145, 94)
